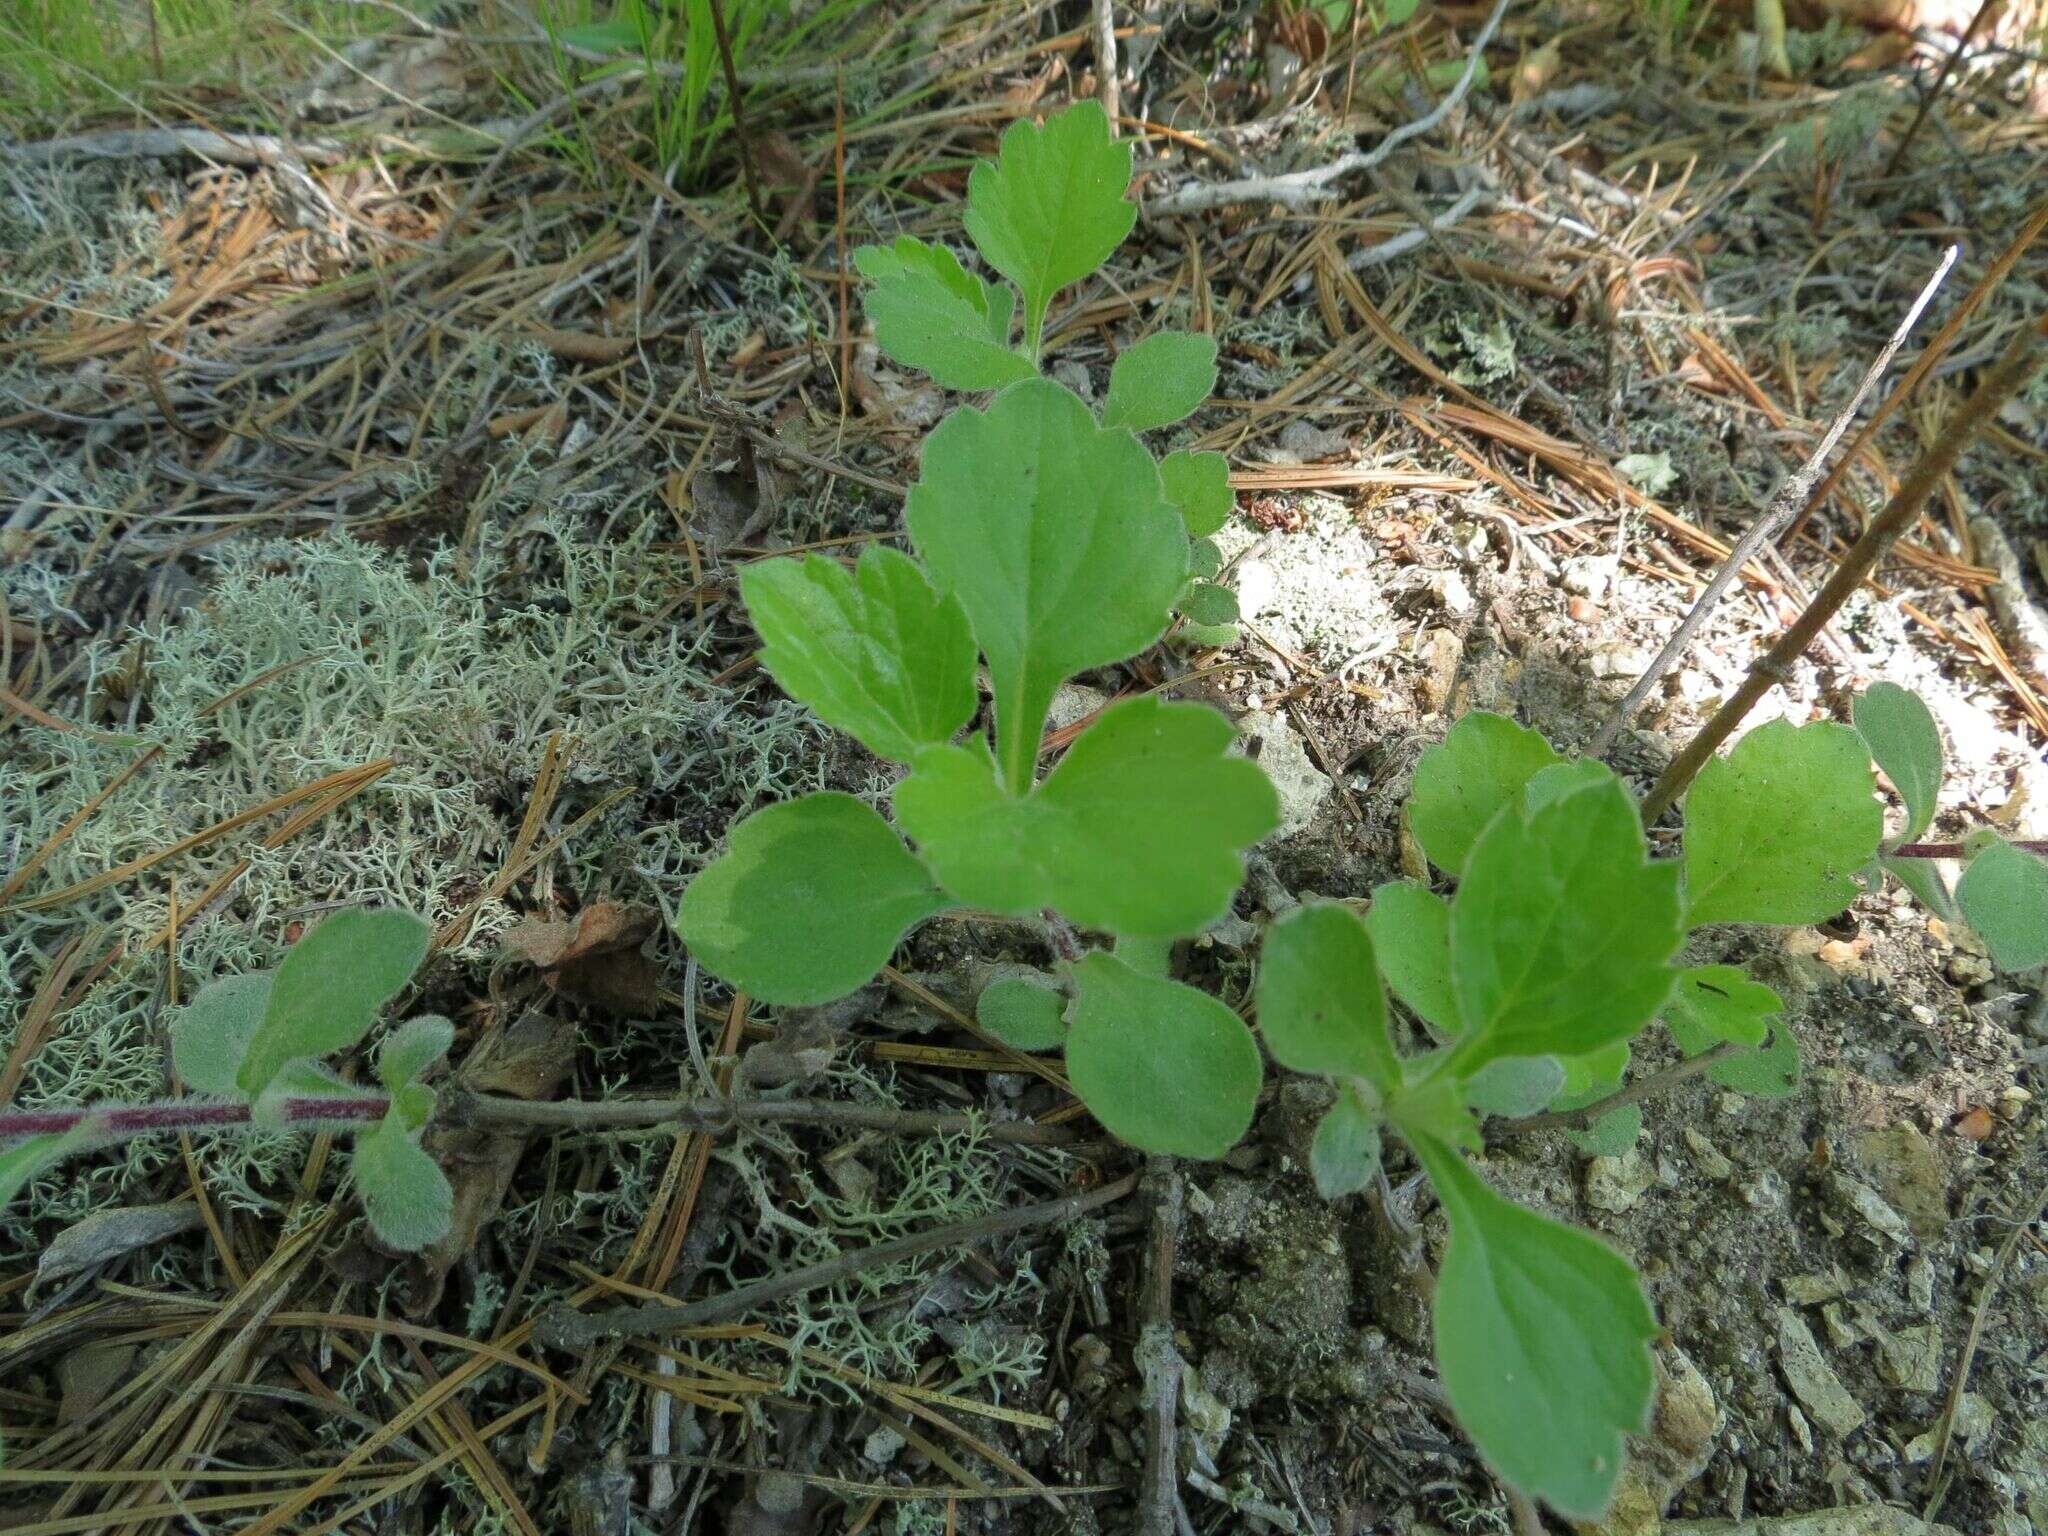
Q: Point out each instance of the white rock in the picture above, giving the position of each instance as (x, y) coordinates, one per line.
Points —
(1812, 1379)
(1589, 576)
(1270, 740)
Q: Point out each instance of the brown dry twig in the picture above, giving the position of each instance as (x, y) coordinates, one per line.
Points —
(2019, 362)
(1790, 497)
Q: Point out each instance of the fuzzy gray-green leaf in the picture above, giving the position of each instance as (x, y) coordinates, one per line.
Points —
(2004, 897)
(1160, 380)
(1161, 1065)
(21, 1161)
(808, 900)
(412, 1048)
(1023, 1012)
(1899, 729)
(210, 1035)
(1344, 1154)
(330, 987)
(404, 1192)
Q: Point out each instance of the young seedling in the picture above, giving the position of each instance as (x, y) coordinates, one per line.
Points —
(1049, 542)
(1559, 945)
(250, 1047)
(2003, 892)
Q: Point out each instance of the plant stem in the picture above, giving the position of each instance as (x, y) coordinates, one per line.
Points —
(1790, 496)
(1643, 1088)
(569, 1330)
(1948, 67)
(1956, 850)
(2015, 366)
(124, 1122)
(739, 121)
(1159, 1363)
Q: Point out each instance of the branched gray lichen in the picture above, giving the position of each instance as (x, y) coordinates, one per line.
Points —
(459, 676)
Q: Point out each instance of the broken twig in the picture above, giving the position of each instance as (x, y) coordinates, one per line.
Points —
(1790, 497)
(2019, 362)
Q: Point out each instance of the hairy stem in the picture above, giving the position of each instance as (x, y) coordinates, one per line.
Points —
(1957, 850)
(714, 1115)
(2006, 377)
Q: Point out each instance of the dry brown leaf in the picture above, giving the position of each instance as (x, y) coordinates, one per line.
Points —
(595, 958)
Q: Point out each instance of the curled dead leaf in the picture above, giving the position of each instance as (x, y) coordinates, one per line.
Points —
(595, 958)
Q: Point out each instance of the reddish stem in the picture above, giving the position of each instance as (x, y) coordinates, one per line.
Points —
(1955, 850)
(121, 1122)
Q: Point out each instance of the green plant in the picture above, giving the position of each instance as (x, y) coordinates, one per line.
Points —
(2003, 891)
(250, 1046)
(1559, 946)
(1050, 542)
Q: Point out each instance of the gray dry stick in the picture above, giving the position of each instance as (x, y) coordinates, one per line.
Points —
(568, 1330)
(1790, 497)
(2020, 361)
(1298, 189)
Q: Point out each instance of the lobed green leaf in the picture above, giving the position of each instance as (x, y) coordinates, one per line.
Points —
(932, 314)
(1480, 767)
(1776, 831)
(2003, 895)
(1713, 1003)
(1542, 1342)
(1051, 209)
(1209, 605)
(875, 652)
(1055, 536)
(808, 901)
(1320, 1006)
(1138, 830)
(1160, 380)
(1161, 1065)
(1563, 930)
(330, 987)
